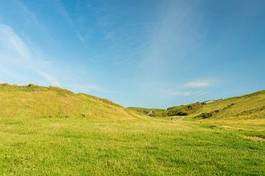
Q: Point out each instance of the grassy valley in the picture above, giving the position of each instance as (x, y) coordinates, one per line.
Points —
(52, 131)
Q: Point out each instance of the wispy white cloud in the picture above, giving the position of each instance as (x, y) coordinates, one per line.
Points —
(48, 77)
(70, 21)
(172, 39)
(180, 93)
(31, 18)
(194, 88)
(12, 41)
(63, 12)
(15, 50)
(81, 38)
(198, 84)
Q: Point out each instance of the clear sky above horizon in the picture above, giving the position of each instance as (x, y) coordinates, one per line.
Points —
(152, 53)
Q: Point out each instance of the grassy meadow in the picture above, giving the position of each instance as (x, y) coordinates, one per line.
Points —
(49, 131)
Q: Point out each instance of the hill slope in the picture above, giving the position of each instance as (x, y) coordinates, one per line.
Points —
(51, 131)
(247, 106)
(35, 101)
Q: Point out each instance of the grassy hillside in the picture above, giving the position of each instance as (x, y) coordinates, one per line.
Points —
(245, 107)
(51, 131)
(152, 112)
(50, 102)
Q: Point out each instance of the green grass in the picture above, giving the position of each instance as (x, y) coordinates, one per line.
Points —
(152, 112)
(110, 140)
(249, 106)
(51, 102)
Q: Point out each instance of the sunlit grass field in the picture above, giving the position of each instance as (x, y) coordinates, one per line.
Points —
(88, 142)
(78, 146)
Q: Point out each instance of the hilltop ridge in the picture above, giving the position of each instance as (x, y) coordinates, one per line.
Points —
(53, 131)
(38, 101)
(246, 106)
(49, 102)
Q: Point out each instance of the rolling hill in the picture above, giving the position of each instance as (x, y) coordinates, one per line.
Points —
(37, 101)
(52, 131)
(249, 106)
(50, 102)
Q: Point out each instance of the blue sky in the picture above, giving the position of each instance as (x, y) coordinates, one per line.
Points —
(152, 53)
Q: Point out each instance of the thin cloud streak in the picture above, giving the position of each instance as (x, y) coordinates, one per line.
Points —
(11, 41)
(198, 84)
(173, 38)
(195, 88)
(51, 79)
(180, 93)
(32, 18)
(20, 50)
(64, 13)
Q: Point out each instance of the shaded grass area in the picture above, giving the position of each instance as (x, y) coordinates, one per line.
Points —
(78, 146)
